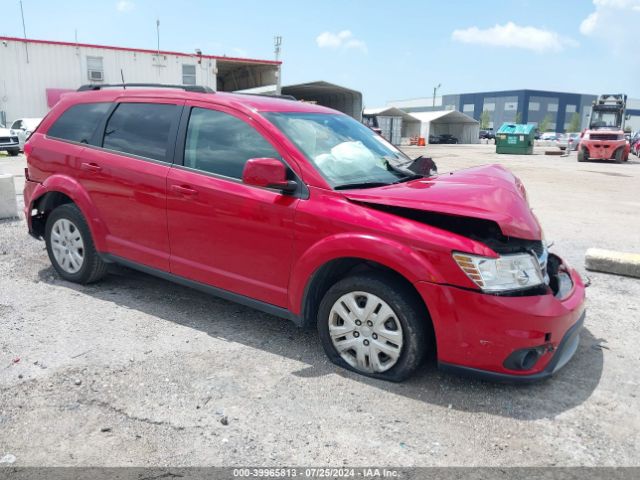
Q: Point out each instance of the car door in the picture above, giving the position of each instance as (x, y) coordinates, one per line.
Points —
(125, 176)
(222, 232)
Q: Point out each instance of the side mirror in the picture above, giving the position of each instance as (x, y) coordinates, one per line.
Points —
(268, 173)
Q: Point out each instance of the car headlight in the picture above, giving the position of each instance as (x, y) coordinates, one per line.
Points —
(585, 136)
(12, 132)
(507, 272)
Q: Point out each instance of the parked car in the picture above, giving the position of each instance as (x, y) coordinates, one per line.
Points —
(9, 141)
(303, 212)
(445, 138)
(549, 136)
(23, 128)
(487, 134)
(635, 144)
(568, 140)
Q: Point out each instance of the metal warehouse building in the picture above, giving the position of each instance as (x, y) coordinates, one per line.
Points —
(34, 73)
(525, 106)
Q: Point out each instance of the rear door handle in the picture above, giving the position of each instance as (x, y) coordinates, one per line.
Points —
(182, 190)
(91, 167)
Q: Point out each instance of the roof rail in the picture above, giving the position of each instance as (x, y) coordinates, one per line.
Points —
(187, 88)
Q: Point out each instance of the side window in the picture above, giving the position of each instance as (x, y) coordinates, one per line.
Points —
(221, 143)
(79, 122)
(140, 129)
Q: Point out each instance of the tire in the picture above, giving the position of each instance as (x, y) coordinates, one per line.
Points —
(13, 152)
(619, 155)
(65, 225)
(583, 155)
(406, 317)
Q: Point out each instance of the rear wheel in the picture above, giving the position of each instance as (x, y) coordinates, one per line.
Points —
(371, 324)
(70, 246)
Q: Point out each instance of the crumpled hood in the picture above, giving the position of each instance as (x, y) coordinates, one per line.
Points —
(490, 192)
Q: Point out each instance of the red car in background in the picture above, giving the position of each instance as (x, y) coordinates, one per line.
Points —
(302, 212)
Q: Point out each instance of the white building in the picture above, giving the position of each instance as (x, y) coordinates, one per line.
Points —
(34, 73)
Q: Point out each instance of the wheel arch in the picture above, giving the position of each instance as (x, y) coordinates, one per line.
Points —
(59, 190)
(328, 262)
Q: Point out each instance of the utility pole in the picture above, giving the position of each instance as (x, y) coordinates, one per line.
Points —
(158, 34)
(24, 32)
(277, 43)
(435, 89)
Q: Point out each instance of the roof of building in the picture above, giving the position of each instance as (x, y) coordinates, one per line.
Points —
(444, 116)
(390, 112)
(140, 50)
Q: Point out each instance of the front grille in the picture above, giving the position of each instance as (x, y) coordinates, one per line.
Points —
(8, 139)
(603, 136)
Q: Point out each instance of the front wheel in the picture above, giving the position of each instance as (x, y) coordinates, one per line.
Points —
(619, 155)
(374, 325)
(583, 155)
(70, 246)
(14, 153)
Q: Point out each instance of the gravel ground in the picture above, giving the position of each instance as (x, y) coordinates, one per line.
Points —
(138, 371)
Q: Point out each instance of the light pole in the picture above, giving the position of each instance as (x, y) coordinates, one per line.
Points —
(435, 89)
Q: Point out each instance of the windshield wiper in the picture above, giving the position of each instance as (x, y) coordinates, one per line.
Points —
(346, 186)
(408, 178)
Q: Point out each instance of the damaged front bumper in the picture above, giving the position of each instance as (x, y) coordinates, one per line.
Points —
(507, 338)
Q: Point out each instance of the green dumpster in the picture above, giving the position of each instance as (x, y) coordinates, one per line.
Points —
(515, 138)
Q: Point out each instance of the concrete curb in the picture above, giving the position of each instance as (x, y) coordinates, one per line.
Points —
(8, 205)
(609, 261)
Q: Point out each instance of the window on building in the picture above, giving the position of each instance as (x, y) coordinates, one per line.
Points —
(510, 106)
(95, 72)
(450, 107)
(552, 107)
(468, 107)
(140, 129)
(490, 107)
(188, 74)
(534, 106)
(221, 143)
(571, 109)
(79, 122)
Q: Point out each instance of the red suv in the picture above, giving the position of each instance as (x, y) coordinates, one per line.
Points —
(302, 212)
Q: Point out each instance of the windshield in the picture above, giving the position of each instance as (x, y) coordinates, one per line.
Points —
(603, 119)
(345, 152)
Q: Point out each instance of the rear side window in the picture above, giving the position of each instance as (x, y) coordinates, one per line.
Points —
(141, 129)
(79, 122)
(221, 143)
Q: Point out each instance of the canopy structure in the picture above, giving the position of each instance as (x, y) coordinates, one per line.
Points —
(396, 125)
(329, 95)
(465, 128)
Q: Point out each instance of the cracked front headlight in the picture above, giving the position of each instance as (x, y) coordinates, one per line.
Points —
(507, 272)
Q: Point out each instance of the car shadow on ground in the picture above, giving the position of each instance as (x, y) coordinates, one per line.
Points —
(232, 322)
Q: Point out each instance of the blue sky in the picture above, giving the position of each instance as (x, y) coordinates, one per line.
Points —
(387, 50)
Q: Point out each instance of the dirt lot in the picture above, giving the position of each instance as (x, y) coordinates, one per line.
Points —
(139, 371)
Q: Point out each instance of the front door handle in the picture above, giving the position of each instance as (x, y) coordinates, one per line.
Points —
(183, 190)
(91, 167)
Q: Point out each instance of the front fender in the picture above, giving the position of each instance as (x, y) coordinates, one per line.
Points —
(409, 263)
(77, 193)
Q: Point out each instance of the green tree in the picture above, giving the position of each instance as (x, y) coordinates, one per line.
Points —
(485, 118)
(518, 117)
(574, 123)
(544, 125)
